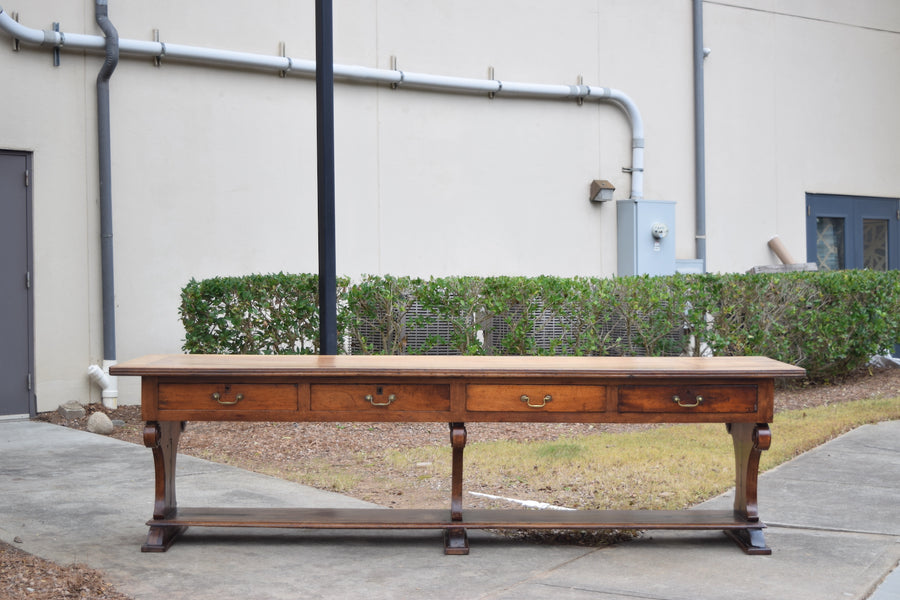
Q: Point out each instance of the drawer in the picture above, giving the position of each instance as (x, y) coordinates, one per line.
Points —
(377, 397)
(535, 398)
(227, 396)
(687, 398)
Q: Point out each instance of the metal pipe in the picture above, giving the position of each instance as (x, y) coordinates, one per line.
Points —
(624, 102)
(306, 68)
(326, 185)
(105, 164)
(699, 135)
(105, 167)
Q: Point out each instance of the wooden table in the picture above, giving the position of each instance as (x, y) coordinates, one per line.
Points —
(737, 391)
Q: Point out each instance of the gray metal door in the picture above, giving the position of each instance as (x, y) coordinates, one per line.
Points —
(16, 347)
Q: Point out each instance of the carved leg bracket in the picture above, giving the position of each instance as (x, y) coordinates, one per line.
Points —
(162, 438)
(456, 540)
(750, 440)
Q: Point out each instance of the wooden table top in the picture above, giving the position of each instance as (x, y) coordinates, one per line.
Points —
(160, 365)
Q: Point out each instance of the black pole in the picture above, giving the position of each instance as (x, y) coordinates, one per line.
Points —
(325, 149)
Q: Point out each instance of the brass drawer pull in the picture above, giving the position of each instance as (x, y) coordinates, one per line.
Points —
(527, 400)
(371, 400)
(697, 400)
(218, 398)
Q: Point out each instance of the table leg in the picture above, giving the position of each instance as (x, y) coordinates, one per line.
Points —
(456, 540)
(750, 440)
(162, 438)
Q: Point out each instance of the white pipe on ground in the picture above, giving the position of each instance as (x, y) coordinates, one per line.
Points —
(781, 251)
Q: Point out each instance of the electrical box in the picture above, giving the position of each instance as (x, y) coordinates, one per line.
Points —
(646, 237)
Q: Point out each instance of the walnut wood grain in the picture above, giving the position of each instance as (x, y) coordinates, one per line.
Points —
(737, 391)
(474, 367)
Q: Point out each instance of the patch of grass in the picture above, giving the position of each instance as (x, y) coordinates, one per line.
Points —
(317, 473)
(669, 467)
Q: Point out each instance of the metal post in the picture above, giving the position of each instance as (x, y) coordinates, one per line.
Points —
(699, 134)
(325, 150)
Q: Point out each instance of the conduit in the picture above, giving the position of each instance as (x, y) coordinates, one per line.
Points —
(307, 68)
(699, 134)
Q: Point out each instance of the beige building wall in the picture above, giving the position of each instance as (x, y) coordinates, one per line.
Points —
(800, 98)
(214, 169)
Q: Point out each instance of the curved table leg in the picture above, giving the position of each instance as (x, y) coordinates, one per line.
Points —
(750, 440)
(456, 540)
(163, 439)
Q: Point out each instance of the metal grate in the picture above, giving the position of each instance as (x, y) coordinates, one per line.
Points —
(548, 334)
(414, 337)
(550, 331)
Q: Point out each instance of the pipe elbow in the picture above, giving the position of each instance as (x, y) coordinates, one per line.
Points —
(107, 384)
(99, 377)
(101, 16)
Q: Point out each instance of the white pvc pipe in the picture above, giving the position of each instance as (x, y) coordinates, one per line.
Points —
(305, 67)
(108, 384)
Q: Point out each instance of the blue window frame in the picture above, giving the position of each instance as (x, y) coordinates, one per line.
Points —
(853, 232)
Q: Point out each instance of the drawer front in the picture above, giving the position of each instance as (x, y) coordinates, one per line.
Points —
(227, 396)
(687, 399)
(377, 397)
(535, 398)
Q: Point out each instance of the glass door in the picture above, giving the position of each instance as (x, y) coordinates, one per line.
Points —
(852, 232)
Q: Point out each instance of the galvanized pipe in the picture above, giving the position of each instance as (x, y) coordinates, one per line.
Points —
(398, 78)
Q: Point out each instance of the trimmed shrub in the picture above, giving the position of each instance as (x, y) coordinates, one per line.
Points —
(830, 323)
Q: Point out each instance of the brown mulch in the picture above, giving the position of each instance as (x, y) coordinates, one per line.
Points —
(262, 445)
(25, 576)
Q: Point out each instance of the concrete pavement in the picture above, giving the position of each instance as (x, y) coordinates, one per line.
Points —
(833, 515)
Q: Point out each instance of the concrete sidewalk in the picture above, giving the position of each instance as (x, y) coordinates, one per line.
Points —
(833, 515)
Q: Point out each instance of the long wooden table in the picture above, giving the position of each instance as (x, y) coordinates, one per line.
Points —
(737, 391)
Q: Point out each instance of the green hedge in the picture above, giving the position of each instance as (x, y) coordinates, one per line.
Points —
(256, 314)
(830, 323)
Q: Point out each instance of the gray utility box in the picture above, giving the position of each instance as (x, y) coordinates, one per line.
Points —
(646, 244)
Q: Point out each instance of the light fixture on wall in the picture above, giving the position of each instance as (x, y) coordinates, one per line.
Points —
(601, 190)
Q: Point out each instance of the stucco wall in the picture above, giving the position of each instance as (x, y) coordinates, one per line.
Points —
(798, 100)
(214, 170)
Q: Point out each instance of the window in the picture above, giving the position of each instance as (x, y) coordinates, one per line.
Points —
(852, 232)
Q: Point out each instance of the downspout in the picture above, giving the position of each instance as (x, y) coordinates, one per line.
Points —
(699, 135)
(109, 385)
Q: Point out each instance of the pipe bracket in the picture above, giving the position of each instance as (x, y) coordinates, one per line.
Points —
(15, 41)
(282, 49)
(396, 84)
(157, 60)
(56, 48)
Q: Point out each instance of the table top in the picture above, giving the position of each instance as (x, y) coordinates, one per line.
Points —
(162, 365)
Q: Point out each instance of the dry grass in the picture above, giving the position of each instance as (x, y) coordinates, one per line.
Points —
(666, 467)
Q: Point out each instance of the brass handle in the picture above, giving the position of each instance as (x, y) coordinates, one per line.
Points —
(371, 400)
(218, 398)
(697, 400)
(527, 400)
